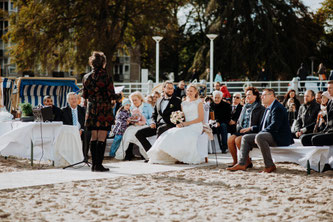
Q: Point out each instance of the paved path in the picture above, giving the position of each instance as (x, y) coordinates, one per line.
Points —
(117, 169)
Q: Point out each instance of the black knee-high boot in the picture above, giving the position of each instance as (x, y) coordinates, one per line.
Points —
(100, 150)
(94, 155)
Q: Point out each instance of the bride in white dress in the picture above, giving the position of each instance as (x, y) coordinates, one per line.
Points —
(180, 143)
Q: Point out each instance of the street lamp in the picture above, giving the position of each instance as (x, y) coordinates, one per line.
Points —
(157, 40)
(211, 37)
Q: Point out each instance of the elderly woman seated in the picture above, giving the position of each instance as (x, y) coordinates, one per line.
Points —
(125, 150)
(248, 121)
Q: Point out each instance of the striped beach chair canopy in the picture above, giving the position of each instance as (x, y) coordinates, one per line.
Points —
(32, 90)
(7, 86)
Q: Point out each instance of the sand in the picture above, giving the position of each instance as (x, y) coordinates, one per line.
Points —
(198, 194)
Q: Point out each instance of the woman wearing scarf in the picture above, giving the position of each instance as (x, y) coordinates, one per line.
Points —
(248, 122)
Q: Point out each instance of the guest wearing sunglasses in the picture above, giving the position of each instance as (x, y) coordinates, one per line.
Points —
(236, 109)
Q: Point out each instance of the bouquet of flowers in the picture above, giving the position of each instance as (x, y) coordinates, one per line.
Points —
(177, 117)
(135, 118)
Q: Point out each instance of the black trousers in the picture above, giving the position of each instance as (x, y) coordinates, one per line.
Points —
(317, 139)
(142, 134)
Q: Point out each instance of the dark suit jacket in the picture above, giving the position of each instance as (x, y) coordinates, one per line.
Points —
(57, 113)
(173, 105)
(235, 114)
(277, 124)
(67, 118)
(329, 124)
(179, 92)
(222, 112)
(307, 116)
(255, 118)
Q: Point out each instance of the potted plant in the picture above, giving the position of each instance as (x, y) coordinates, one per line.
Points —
(26, 112)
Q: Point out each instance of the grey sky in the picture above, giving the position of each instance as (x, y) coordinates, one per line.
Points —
(313, 4)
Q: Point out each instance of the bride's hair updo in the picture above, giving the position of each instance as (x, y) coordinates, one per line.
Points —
(196, 89)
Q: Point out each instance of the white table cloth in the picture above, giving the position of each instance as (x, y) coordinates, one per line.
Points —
(51, 141)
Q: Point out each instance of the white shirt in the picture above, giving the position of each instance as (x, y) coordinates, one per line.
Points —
(164, 104)
(264, 123)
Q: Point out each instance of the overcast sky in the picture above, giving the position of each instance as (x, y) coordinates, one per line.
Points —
(313, 4)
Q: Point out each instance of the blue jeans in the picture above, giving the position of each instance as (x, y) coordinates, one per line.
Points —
(115, 145)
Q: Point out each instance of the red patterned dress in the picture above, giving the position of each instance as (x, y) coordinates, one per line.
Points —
(98, 89)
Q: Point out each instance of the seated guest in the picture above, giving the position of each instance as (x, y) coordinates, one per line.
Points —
(225, 91)
(180, 90)
(325, 136)
(274, 131)
(80, 101)
(292, 111)
(161, 116)
(156, 95)
(57, 113)
(248, 122)
(291, 94)
(74, 115)
(318, 97)
(322, 115)
(217, 86)
(307, 115)
(122, 121)
(116, 103)
(236, 109)
(150, 100)
(129, 137)
(222, 113)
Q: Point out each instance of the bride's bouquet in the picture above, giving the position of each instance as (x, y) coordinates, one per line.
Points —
(177, 117)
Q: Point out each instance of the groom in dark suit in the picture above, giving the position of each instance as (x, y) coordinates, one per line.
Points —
(274, 131)
(161, 116)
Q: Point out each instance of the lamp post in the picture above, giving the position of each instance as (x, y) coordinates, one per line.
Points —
(211, 37)
(157, 40)
(312, 58)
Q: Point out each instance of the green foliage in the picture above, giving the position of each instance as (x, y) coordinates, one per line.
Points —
(63, 33)
(26, 109)
(274, 34)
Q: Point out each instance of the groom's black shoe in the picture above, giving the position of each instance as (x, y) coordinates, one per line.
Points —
(129, 153)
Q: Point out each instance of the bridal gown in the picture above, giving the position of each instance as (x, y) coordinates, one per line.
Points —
(179, 144)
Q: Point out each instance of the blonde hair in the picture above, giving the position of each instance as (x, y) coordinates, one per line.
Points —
(137, 94)
(196, 88)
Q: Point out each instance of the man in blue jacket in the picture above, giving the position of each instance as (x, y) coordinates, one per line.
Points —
(274, 131)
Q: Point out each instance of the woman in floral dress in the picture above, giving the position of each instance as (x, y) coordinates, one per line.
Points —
(99, 91)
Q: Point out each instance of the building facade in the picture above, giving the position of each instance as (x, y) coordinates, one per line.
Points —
(7, 69)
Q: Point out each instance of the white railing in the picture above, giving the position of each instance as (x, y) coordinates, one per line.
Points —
(280, 87)
(144, 88)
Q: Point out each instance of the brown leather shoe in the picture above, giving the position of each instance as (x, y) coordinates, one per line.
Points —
(237, 167)
(269, 169)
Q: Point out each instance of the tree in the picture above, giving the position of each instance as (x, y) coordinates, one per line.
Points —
(274, 34)
(52, 33)
(324, 17)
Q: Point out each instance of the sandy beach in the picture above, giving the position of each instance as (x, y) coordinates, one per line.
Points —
(198, 194)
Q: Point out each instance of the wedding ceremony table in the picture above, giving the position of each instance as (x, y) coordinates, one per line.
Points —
(41, 141)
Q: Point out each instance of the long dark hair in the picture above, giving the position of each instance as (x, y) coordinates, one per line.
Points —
(287, 96)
